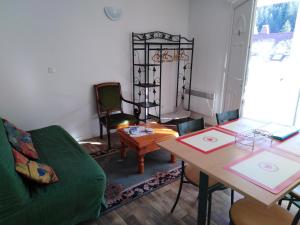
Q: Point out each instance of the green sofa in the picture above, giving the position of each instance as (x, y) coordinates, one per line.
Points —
(77, 197)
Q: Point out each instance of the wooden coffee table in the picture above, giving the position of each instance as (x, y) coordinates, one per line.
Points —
(145, 144)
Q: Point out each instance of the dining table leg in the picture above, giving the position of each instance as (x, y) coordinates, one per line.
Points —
(202, 199)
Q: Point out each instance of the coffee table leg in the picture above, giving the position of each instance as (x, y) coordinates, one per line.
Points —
(141, 163)
(123, 150)
(173, 158)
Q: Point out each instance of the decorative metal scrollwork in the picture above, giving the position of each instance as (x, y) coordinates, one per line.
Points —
(141, 92)
(155, 77)
(138, 77)
(156, 35)
(156, 81)
(183, 82)
(137, 80)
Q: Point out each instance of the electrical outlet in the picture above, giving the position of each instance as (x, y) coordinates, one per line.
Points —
(51, 70)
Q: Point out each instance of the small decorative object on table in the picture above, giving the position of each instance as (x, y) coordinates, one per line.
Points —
(254, 137)
(138, 131)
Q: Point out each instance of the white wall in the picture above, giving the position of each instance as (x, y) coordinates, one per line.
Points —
(85, 48)
(210, 24)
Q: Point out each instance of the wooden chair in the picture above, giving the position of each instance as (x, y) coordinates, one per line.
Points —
(227, 116)
(189, 173)
(250, 212)
(109, 108)
(223, 118)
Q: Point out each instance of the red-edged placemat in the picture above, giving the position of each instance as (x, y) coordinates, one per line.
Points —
(266, 169)
(208, 140)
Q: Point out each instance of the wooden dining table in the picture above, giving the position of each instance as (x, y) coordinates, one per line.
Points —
(212, 165)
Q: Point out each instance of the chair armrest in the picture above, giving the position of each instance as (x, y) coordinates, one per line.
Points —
(137, 111)
(106, 114)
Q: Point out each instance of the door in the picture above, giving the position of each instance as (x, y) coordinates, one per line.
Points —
(238, 55)
(273, 82)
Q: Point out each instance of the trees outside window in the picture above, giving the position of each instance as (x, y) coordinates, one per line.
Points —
(278, 17)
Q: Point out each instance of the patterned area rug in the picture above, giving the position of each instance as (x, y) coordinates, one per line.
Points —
(124, 182)
(97, 147)
(116, 196)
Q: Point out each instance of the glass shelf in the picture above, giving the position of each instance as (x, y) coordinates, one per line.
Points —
(142, 64)
(148, 104)
(147, 85)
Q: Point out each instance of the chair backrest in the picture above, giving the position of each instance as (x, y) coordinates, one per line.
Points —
(108, 97)
(190, 126)
(13, 192)
(227, 116)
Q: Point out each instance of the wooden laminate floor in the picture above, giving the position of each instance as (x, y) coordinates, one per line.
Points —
(154, 209)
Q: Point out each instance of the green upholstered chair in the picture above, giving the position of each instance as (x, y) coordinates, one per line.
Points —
(227, 116)
(109, 108)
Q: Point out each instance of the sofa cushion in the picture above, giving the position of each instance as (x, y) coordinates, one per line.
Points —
(13, 191)
(32, 170)
(20, 140)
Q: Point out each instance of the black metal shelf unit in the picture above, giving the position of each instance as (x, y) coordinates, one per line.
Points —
(149, 52)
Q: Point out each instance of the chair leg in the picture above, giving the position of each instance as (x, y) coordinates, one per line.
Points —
(101, 131)
(180, 187)
(290, 204)
(230, 220)
(209, 208)
(232, 197)
(108, 138)
(280, 202)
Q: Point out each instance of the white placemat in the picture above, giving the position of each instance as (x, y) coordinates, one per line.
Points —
(208, 140)
(268, 170)
(291, 145)
(241, 125)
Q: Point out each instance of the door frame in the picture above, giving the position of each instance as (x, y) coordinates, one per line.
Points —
(235, 5)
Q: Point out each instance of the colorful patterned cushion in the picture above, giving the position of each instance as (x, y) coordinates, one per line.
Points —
(38, 172)
(20, 140)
